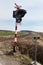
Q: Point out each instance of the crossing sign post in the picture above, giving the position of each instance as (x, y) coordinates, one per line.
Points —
(18, 14)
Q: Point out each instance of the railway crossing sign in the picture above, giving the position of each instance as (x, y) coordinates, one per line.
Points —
(18, 14)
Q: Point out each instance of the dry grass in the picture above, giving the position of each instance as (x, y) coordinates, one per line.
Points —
(25, 41)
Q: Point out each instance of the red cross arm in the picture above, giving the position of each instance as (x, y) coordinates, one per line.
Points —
(17, 6)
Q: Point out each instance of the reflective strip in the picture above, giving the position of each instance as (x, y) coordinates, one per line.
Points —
(15, 39)
(15, 43)
(15, 31)
(15, 35)
(16, 28)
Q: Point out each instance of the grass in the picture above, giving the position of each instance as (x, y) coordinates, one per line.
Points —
(3, 33)
(6, 33)
(21, 32)
(25, 60)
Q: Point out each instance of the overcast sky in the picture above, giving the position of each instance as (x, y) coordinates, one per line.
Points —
(33, 20)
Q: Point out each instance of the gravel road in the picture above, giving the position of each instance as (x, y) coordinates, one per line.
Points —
(8, 60)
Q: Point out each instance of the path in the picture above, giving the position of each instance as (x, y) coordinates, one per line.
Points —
(8, 60)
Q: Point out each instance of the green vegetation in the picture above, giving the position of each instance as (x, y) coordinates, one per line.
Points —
(6, 33)
(25, 60)
(22, 32)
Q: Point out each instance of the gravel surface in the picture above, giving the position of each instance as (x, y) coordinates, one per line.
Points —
(8, 60)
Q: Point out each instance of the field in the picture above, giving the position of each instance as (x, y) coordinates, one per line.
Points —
(26, 44)
(6, 45)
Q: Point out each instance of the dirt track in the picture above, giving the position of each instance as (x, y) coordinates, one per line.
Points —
(8, 60)
(6, 42)
(4, 59)
(5, 38)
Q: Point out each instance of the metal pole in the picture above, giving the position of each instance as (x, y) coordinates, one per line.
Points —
(35, 51)
(15, 38)
(36, 38)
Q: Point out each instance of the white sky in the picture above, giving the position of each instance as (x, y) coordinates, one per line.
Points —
(33, 20)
